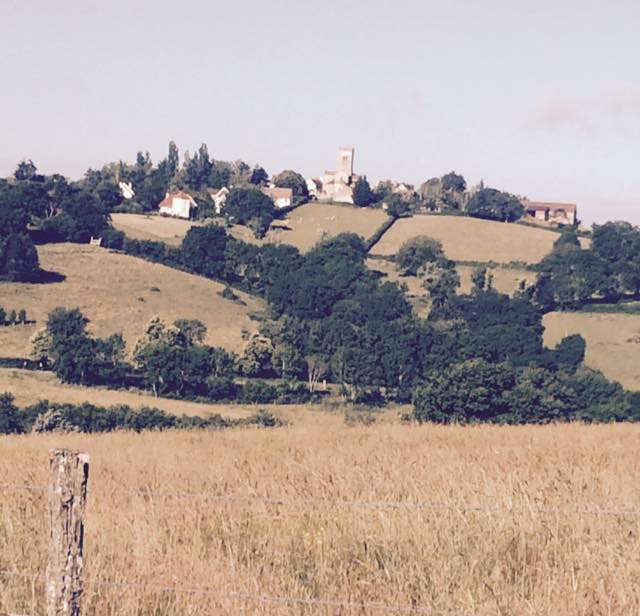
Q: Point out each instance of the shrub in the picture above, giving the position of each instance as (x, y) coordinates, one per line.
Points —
(258, 392)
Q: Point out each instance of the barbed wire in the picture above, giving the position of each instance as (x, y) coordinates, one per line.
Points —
(212, 592)
(453, 506)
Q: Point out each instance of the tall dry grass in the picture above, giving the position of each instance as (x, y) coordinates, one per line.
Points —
(143, 533)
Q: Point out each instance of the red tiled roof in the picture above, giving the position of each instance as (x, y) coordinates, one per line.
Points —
(541, 205)
(278, 193)
(181, 194)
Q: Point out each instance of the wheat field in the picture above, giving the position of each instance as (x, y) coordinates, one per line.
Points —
(319, 518)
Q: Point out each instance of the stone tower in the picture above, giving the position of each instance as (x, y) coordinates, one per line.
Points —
(345, 163)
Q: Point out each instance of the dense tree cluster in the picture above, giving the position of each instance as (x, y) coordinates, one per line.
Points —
(494, 204)
(609, 270)
(47, 417)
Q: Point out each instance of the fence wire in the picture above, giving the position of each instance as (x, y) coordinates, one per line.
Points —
(248, 499)
(236, 596)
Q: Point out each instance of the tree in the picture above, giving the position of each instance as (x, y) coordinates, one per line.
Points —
(293, 180)
(248, 206)
(25, 171)
(416, 252)
(441, 280)
(397, 206)
(18, 258)
(454, 182)
(473, 390)
(362, 193)
(11, 421)
(493, 204)
(256, 357)
(203, 250)
(259, 177)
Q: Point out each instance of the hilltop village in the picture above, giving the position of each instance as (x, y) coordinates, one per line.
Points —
(343, 185)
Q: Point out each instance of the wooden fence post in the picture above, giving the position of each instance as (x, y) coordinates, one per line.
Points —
(68, 475)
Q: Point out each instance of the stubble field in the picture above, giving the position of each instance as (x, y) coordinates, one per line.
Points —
(318, 518)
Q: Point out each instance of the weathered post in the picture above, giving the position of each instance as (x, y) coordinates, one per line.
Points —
(68, 475)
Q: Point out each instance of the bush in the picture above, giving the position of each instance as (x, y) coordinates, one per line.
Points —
(221, 389)
(258, 392)
(112, 238)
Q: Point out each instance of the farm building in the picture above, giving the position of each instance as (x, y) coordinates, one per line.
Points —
(179, 204)
(281, 197)
(552, 213)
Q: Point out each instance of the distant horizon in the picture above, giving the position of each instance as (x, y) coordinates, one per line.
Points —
(612, 206)
(540, 100)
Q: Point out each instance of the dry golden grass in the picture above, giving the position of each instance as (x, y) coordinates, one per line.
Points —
(169, 230)
(610, 345)
(30, 387)
(324, 534)
(309, 224)
(471, 239)
(119, 293)
(303, 227)
(153, 227)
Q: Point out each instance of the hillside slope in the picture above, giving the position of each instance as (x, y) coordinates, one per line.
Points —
(471, 239)
(119, 293)
(613, 341)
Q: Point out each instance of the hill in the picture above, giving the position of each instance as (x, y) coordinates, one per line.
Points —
(119, 293)
(307, 225)
(472, 239)
(613, 341)
(302, 227)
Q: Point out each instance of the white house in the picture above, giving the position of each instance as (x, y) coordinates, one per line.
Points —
(179, 204)
(219, 197)
(126, 190)
(281, 197)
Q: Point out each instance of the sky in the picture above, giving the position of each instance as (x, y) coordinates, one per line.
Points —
(541, 98)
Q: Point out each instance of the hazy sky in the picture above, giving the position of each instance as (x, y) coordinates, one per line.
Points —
(541, 98)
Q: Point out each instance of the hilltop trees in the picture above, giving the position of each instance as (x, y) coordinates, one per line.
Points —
(493, 204)
(18, 256)
(248, 206)
(416, 252)
(291, 179)
(362, 193)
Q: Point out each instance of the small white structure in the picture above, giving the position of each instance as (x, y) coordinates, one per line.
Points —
(281, 197)
(314, 187)
(126, 190)
(219, 197)
(179, 204)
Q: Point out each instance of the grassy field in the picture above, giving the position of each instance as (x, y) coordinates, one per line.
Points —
(505, 280)
(613, 341)
(312, 222)
(472, 239)
(168, 230)
(119, 293)
(316, 518)
(30, 387)
(303, 227)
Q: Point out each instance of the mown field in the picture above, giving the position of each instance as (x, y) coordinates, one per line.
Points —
(318, 518)
(472, 239)
(613, 341)
(119, 293)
